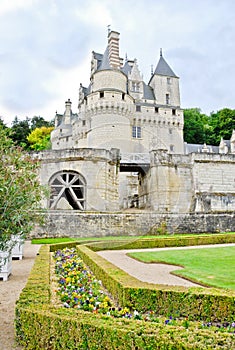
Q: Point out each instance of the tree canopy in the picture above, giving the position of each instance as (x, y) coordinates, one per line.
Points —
(20, 190)
(21, 129)
(39, 138)
(200, 128)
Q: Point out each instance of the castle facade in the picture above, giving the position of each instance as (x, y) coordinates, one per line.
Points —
(124, 146)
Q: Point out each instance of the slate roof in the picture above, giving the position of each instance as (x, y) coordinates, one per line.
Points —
(148, 92)
(126, 68)
(59, 118)
(98, 57)
(197, 148)
(105, 61)
(164, 69)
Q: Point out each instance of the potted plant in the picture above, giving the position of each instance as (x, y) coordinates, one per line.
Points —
(20, 196)
(18, 247)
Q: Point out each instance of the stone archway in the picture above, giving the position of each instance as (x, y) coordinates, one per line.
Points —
(68, 191)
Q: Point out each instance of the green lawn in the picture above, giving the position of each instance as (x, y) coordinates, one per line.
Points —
(81, 239)
(209, 266)
(116, 238)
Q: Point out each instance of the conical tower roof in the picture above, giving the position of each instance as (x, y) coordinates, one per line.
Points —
(163, 68)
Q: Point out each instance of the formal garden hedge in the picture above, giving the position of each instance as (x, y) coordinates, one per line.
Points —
(42, 325)
(164, 241)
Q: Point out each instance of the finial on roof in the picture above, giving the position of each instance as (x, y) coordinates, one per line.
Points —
(151, 69)
(126, 59)
(160, 52)
(109, 30)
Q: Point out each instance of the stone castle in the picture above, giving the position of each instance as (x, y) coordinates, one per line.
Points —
(124, 147)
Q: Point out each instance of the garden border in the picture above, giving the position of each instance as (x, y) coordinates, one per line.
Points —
(41, 325)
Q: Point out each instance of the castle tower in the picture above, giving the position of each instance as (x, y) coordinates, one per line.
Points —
(61, 136)
(165, 84)
(108, 105)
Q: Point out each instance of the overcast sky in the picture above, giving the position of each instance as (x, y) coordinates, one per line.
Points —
(46, 47)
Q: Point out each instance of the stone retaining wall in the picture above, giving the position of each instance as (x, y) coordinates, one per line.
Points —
(77, 224)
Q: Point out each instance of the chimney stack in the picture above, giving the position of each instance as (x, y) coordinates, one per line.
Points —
(67, 112)
(113, 43)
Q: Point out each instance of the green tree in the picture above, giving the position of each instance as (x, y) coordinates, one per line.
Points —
(38, 122)
(221, 124)
(20, 192)
(20, 131)
(2, 123)
(39, 138)
(194, 126)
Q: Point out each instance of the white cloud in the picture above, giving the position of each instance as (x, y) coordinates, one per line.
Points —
(13, 5)
(46, 48)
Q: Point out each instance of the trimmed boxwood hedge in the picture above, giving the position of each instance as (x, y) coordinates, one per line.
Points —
(205, 304)
(161, 242)
(40, 325)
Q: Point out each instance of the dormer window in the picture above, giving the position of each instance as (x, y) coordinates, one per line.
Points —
(135, 87)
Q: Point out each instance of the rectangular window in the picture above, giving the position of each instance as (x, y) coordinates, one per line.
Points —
(172, 148)
(167, 99)
(136, 132)
(138, 108)
(101, 94)
(173, 111)
(83, 122)
(156, 109)
(123, 97)
(168, 81)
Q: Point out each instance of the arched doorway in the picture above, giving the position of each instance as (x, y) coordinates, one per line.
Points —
(68, 191)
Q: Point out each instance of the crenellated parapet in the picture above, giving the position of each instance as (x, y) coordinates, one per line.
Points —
(109, 107)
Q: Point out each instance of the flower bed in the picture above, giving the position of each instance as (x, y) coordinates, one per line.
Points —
(79, 288)
(42, 325)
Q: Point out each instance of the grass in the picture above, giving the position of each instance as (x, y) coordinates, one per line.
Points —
(209, 266)
(111, 238)
(52, 240)
(81, 239)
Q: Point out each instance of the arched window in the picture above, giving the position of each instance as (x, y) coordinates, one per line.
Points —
(68, 191)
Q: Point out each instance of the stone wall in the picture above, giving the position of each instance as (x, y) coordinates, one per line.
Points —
(77, 224)
(202, 182)
(97, 166)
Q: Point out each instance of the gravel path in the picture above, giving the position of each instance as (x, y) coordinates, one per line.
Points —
(9, 294)
(152, 273)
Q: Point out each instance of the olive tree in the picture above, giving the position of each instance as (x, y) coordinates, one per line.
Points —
(20, 192)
